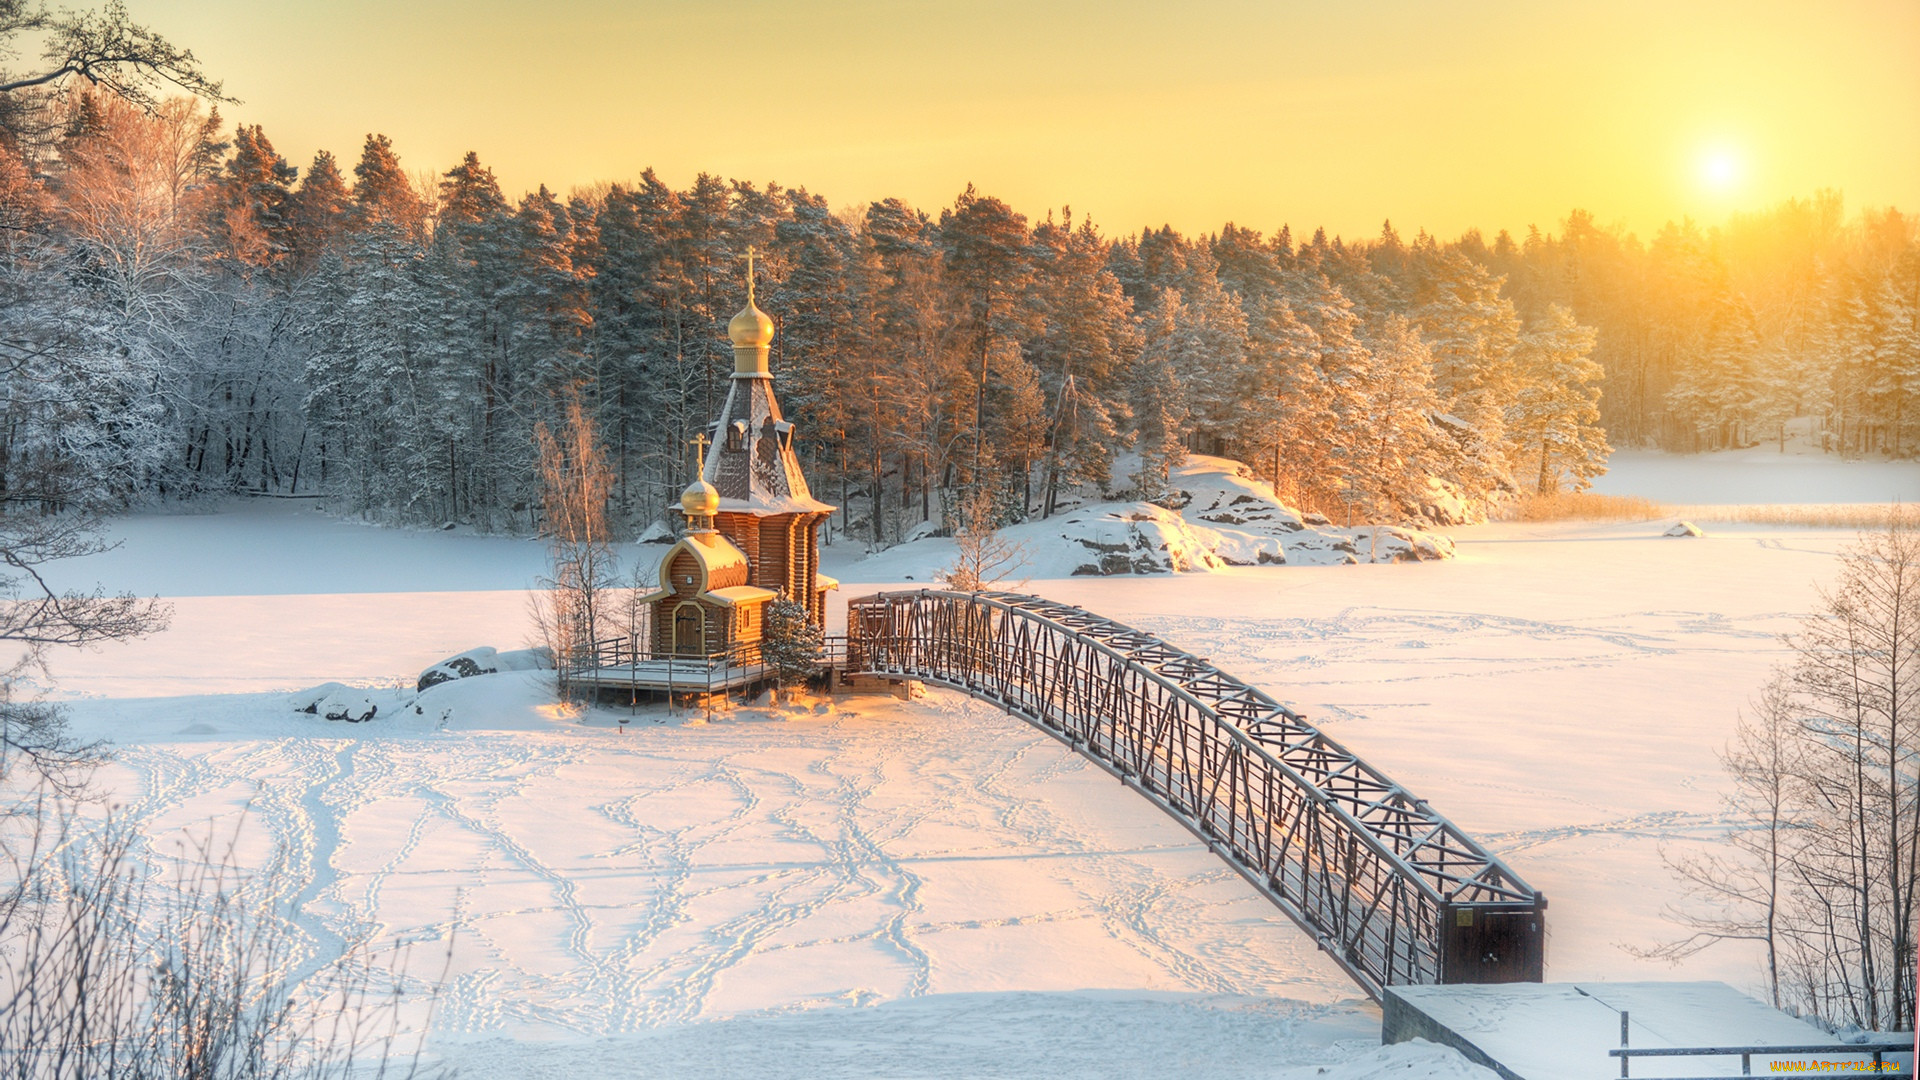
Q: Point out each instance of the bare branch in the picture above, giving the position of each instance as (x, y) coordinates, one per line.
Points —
(109, 50)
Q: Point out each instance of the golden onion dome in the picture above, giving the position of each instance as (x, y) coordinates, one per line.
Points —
(751, 326)
(700, 498)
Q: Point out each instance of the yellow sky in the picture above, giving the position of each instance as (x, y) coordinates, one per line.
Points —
(1434, 113)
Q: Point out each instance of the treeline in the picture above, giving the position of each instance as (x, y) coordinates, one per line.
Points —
(185, 312)
(1712, 338)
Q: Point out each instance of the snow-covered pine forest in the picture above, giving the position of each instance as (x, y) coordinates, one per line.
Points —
(185, 312)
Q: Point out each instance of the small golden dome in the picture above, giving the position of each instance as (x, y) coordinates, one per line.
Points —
(700, 498)
(751, 326)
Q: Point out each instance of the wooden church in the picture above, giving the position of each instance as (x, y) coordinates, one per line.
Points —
(752, 525)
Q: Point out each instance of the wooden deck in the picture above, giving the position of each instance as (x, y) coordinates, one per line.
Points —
(623, 664)
(679, 674)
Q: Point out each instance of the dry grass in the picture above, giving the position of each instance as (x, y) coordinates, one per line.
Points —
(1583, 506)
(1586, 506)
(1818, 516)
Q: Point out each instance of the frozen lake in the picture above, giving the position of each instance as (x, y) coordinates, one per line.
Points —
(802, 891)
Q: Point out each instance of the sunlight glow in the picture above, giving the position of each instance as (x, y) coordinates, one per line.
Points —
(1721, 169)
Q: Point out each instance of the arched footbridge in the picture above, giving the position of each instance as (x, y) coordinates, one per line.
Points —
(1392, 890)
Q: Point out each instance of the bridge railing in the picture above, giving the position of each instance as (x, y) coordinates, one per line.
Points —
(1393, 891)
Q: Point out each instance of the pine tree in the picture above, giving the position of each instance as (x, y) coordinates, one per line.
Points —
(791, 644)
(382, 193)
(317, 212)
(920, 326)
(1159, 401)
(1398, 449)
(1209, 353)
(1291, 401)
(1471, 332)
(817, 335)
(1088, 340)
(984, 243)
(1554, 418)
(1334, 423)
(1716, 390)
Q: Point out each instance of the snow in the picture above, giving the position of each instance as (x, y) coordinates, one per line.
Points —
(1758, 475)
(1225, 518)
(1505, 1022)
(929, 884)
(1015, 1036)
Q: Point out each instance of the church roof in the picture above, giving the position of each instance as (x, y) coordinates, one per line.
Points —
(751, 461)
(718, 558)
(715, 552)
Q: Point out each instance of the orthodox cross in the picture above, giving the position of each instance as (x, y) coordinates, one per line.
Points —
(699, 462)
(749, 257)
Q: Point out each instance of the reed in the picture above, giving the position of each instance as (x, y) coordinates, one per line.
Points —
(1582, 506)
(1815, 515)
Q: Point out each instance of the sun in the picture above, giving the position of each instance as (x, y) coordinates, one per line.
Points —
(1721, 169)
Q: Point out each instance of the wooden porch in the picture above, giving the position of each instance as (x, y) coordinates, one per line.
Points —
(623, 665)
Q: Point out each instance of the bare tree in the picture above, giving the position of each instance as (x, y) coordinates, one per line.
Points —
(1742, 882)
(575, 483)
(117, 964)
(982, 557)
(36, 616)
(1824, 866)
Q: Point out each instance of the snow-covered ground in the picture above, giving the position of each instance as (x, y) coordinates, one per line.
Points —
(931, 888)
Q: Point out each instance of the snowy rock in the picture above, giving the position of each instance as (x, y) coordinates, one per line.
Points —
(462, 666)
(484, 661)
(1684, 528)
(1224, 518)
(924, 530)
(1444, 505)
(308, 701)
(335, 701)
(352, 706)
(656, 533)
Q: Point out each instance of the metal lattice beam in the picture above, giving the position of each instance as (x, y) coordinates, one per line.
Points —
(1394, 891)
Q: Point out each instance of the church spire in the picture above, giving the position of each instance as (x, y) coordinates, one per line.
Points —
(752, 461)
(752, 334)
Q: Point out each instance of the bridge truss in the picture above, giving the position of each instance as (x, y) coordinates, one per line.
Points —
(1392, 890)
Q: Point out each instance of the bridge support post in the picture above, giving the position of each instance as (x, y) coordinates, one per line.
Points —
(1480, 943)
